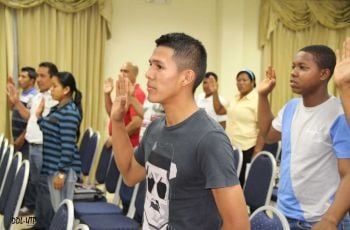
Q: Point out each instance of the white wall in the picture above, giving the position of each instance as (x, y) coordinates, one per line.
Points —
(227, 28)
(238, 44)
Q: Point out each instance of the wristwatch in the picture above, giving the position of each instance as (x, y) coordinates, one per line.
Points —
(61, 175)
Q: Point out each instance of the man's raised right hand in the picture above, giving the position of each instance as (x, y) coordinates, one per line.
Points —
(121, 104)
(108, 85)
(269, 82)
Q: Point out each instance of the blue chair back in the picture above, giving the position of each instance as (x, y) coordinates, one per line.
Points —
(2, 139)
(15, 198)
(88, 154)
(274, 149)
(3, 147)
(267, 218)
(140, 201)
(64, 217)
(258, 186)
(112, 176)
(5, 165)
(11, 174)
(238, 159)
(85, 140)
(103, 163)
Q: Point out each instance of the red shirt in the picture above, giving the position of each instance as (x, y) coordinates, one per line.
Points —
(140, 96)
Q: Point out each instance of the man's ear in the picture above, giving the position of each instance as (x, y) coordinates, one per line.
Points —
(325, 74)
(189, 77)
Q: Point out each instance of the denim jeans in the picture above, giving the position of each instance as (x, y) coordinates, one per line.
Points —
(35, 161)
(43, 208)
(302, 225)
(67, 192)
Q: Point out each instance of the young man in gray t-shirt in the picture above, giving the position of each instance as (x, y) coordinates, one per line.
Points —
(185, 156)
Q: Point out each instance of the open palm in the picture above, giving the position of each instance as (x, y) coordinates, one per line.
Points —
(108, 85)
(121, 104)
(342, 70)
(12, 92)
(269, 82)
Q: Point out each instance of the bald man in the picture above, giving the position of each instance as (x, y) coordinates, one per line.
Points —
(133, 117)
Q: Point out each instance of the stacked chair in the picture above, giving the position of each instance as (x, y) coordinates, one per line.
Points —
(14, 175)
(15, 194)
(5, 165)
(3, 145)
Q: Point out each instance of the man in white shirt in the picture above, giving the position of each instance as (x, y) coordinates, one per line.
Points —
(211, 101)
(33, 134)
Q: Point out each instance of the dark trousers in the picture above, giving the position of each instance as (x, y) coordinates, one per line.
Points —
(43, 207)
(35, 161)
(247, 158)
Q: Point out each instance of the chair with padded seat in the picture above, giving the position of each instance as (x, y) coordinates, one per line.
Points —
(119, 222)
(3, 147)
(274, 148)
(259, 183)
(238, 159)
(64, 217)
(82, 208)
(85, 140)
(88, 151)
(11, 174)
(5, 165)
(84, 192)
(16, 195)
(2, 139)
(267, 218)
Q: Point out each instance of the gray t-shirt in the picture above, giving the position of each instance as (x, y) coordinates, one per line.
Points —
(183, 162)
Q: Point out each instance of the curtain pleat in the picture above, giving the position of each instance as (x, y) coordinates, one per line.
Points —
(6, 66)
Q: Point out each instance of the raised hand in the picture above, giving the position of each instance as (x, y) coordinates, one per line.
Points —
(10, 80)
(108, 85)
(121, 104)
(269, 82)
(212, 84)
(342, 69)
(40, 109)
(131, 91)
(12, 92)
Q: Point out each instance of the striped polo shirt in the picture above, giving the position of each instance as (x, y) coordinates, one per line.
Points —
(59, 128)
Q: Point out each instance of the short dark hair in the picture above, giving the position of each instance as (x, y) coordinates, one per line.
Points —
(52, 67)
(324, 56)
(31, 72)
(188, 52)
(208, 74)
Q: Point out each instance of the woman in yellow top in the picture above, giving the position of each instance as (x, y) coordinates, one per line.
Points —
(242, 122)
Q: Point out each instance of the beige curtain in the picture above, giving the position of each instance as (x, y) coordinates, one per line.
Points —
(71, 35)
(287, 26)
(6, 62)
